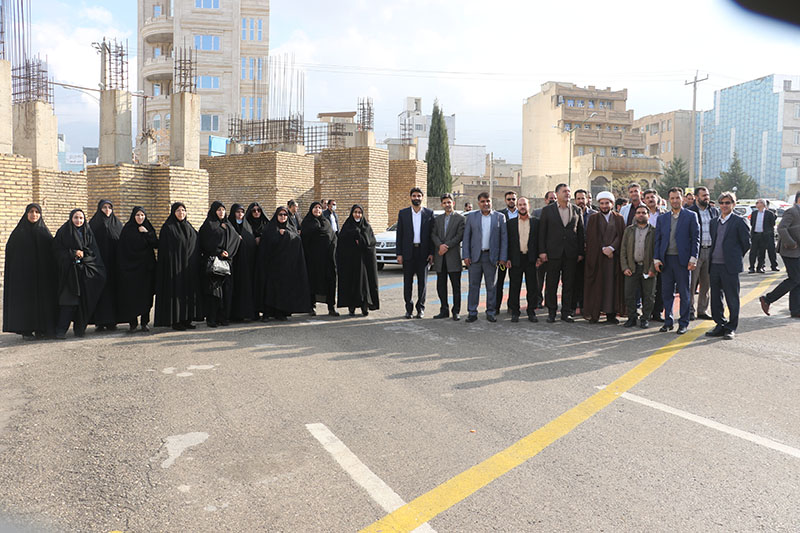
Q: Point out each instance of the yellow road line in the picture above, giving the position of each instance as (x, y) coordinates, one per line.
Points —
(452, 491)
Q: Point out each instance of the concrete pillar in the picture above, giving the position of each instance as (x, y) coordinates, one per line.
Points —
(36, 133)
(146, 151)
(6, 135)
(184, 145)
(365, 138)
(115, 127)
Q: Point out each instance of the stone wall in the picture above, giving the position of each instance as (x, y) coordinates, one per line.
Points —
(15, 194)
(269, 178)
(403, 176)
(357, 176)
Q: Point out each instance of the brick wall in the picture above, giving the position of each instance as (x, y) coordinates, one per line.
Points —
(16, 191)
(59, 193)
(357, 176)
(403, 175)
(269, 178)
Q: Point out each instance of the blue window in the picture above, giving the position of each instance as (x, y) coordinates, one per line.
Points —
(258, 107)
(207, 4)
(244, 29)
(206, 42)
(251, 107)
(252, 66)
(244, 68)
(156, 11)
(208, 82)
(209, 122)
(244, 105)
(252, 29)
(259, 30)
(260, 68)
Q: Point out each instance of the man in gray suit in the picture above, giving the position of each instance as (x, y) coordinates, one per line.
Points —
(446, 235)
(789, 233)
(485, 247)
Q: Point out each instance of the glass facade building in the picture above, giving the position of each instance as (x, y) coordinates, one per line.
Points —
(755, 120)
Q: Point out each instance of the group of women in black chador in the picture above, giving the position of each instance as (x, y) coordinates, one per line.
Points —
(240, 266)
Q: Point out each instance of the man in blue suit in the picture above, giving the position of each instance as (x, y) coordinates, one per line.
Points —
(676, 248)
(730, 240)
(415, 250)
(484, 247)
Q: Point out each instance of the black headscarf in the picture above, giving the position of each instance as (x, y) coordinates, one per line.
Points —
(258, 224)
(29, 296)
(283, 279)
(245, 226)
(80, 282)
(357, 264)
(362, 226)
(178, 270)
(137, 265)
(319, 248)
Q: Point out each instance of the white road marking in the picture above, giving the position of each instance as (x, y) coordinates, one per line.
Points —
(184, 374)
(746, 435)
(379, 491)
(177, 444)
(169, 370)
(200, 367)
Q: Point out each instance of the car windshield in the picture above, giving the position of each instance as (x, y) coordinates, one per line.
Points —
(393, 227)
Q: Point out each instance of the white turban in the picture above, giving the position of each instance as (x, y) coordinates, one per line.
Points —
(606, 195)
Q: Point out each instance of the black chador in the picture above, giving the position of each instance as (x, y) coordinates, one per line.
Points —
(81, 276)
(136, 262)
(319, 248)
(177, 272)
(217, 240)
(30, 283)
(357, 265)
(282, 278)
(258, 223)
(107, 230)
(244, 268)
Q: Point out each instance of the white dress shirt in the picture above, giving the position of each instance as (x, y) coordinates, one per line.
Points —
(759, 222)
(486, 230)
(416, 222)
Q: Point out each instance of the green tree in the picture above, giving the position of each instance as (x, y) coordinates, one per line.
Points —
(676, 174)
(737, 180)
(440, 180)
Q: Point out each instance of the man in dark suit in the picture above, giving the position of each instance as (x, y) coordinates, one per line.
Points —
(414, 250)
(294, 220)
(676, 248)
(446, 236)
(583, 200)
(509, 211)
(789, 233)
(523, 242)
(549, 198)
(762, 235)
(701, 280)
(730, 241)
(484, 248)
(330, 214)
(561, 246)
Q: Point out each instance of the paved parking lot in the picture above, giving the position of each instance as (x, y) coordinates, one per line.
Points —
(386, 424)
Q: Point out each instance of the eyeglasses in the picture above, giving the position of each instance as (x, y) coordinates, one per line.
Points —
(256, 210)
(282, 214)
(725, 203)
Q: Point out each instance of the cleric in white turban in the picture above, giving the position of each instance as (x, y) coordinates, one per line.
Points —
(602, 274)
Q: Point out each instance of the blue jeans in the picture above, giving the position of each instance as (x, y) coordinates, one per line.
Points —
(675, 275)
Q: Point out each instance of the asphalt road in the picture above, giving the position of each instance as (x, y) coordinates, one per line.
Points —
(207, 430)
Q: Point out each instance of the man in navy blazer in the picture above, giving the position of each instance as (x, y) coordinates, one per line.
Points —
(415, 249)
(730, 240)
(484, 247)
(676, 248)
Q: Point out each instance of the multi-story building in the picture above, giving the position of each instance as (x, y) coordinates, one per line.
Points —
(760, 121)
(412, 123)
(666, 135)
(564, 119)
(230, 39)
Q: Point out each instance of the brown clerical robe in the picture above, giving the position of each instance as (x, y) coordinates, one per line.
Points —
(603, 284)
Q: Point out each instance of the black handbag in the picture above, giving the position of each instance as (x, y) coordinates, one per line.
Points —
(218, 267)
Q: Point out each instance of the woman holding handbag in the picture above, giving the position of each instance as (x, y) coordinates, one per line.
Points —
(219, 243)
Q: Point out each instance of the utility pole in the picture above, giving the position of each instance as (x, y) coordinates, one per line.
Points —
(694, 125)
(491, 175)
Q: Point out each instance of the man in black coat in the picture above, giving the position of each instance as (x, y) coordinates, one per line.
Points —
(561, 246)
(330, 215)
(730, 241)
(510, 212)
(549, 198)
(446, 237)
(523, 256)
(583, 200)
(762, 235)
(414, 250)
(294, 220)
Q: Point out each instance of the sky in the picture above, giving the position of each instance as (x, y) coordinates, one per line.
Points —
(479, 59)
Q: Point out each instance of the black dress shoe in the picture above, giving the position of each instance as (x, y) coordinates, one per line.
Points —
(716, 332)
(682, 330)
(491, 318)
(211, 324)
(704, 316)
(551, 319)
(333, 312)
(567, 318)
(729, 335)
(353, 313)
(515, 318)
(532, 318)
(456, 317)
(472, 318)
(419, 314)
(751, 271)
(644, 324)
(665, 328)
(775, 269)
(630, 322)
(407, 315)
(441, 315)
(761, 270)
(614, 320)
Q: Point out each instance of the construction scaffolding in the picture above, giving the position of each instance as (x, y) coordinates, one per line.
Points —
(266, 131)
(184, 76)
(327, 135)
(30, 82)
(406, 131)
(113, 64)
(366, 115)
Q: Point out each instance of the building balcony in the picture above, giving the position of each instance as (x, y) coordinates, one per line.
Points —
(157, 68)
(619, 139)
(158, 30)
(645, 165)
(161, 102)
(604, 116)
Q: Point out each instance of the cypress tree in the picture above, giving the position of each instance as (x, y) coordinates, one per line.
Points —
(440, 180)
